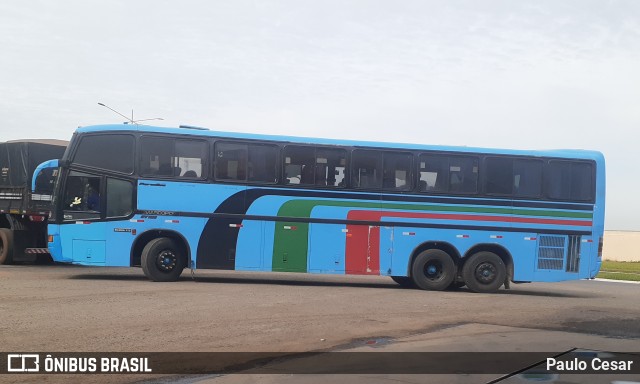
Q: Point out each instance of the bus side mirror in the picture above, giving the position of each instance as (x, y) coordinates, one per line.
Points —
(39, 169)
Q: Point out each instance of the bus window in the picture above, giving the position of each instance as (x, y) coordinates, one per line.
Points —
(517, 177)
(189, 158)
(527, 178)
(433, 173)
(230, 161)
(262, 163)
(366, 169)
(167, 157)
(330, 167)
(118, 156)
(445, 173)
(119, 198)
(463, 174)
(82, 196)
(499, 175)
(396, 171)
(299, 165)
(314, 166)
(569, 180)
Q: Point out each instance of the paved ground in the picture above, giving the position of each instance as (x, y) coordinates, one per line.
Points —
(67, 308)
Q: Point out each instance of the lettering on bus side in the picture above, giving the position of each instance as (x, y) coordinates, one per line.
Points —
(158, 213)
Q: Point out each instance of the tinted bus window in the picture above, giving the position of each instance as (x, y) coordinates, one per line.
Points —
(527, 178)
(262, 163)
(397, 171)
(445, 173)
(331, 164)
(499, 175)
(166, 157)
(569, 180)
(366, 169)
(517, 177)
(112, 152)
(119, 198)
(299, 165)
(230, 161)
(314, 166)
(246, 162)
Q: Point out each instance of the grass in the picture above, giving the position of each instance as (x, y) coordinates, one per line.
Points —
(620, 270)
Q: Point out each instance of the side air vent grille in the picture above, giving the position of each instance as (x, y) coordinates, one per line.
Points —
(551, 250)
(573, 254)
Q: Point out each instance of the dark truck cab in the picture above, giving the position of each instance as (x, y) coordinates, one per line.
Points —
(24, 212)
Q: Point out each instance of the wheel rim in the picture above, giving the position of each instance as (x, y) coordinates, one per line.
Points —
(166, 260)
(486, 273)
(433, 270)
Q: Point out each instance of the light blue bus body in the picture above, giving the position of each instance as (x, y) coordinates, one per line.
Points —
(431, 216)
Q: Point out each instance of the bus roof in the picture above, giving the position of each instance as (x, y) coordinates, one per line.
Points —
(197, 131)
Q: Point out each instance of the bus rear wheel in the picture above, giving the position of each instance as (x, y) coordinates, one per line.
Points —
(6, 246)
(484, 272)
(162, 260)
(433, 270)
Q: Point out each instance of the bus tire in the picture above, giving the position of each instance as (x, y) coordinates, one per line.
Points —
(484, 272)
(433, 270)
(162, 260)
(403, 281)
(6, 246)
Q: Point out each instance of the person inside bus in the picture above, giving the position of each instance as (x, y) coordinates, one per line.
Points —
(93, 195)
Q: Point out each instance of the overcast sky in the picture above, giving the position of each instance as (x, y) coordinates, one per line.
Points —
(513, 74)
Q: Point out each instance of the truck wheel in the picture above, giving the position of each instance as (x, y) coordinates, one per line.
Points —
(6, 246)
(162, 260)
(433, 270)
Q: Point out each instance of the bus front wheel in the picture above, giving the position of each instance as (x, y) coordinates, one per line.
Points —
(433, 270)
(162, 260)
(484, 272)
(6, 246)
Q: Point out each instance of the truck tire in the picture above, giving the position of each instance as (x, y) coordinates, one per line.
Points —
(6, 246)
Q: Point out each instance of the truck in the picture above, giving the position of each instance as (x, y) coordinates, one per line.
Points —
(27, 178)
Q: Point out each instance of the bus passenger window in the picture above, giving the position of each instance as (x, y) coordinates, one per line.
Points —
(396, 174)
(433, 173)
(299, 165)
(366, 169)
(463, 174)
(330, 167)
(499, 175)
(189, 158)
(230, 161)
(262, 163)
(569, 180)
(527, 178)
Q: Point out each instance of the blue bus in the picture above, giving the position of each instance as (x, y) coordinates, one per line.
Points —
(431, 217)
